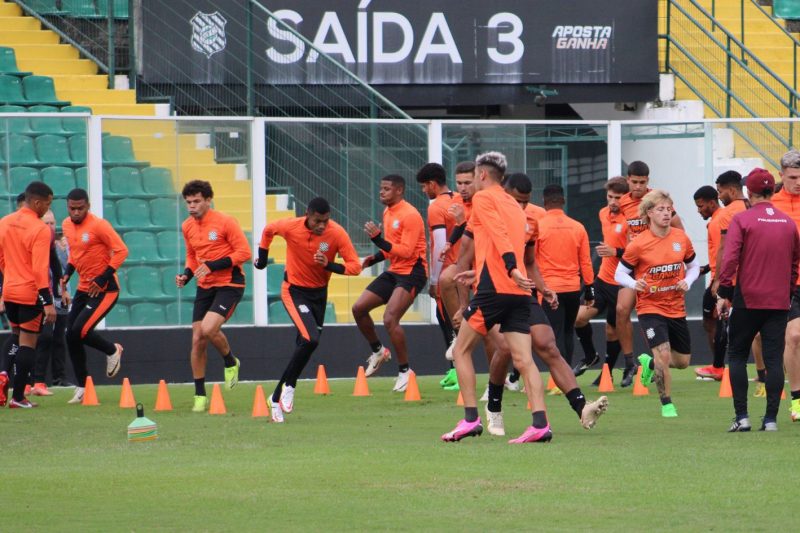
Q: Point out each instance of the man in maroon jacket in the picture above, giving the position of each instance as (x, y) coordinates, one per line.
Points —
(763, 243)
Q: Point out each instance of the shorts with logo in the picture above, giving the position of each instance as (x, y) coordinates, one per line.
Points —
(709, 304)
(794, 310)
(220, 300)
(605, 300)
(385, 284)
(660, 329)
(26, 317)
(537, 316)
(306, 308)
(511, 311)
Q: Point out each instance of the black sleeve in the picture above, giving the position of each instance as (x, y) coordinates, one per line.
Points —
(382, 243)
(510, 260)
(188, 273)
(725, 291)
(45, 297)
(55, 271)
(705, 269)
(220, 264)
(69, 271)
(458, 231)
(588, 293)
(620, 252)
(336, 268)
(263, 258)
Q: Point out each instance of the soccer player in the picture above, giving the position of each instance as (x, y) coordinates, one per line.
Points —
(25, 285)
(441, 223)
(656, 258)
(763, 251)
(615, 237)
(96, 252)
(563, 257)
(312, 243)
(216, 248)
(404, 247)
(502, 298)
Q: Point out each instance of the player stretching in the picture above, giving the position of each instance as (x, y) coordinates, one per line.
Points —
(96, 252)
(215, 250)
(404, 247)
(312, 243)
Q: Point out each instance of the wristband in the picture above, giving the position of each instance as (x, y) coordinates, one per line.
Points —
(336, 268)
(381, 243)
(69, 271)
(725, 291)
(510, 261)
(588, 293)
(263, 258)
(458, 231)
(45, 297)
(188, 273)
(620, 252)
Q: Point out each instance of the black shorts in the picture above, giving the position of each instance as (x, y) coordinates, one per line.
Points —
(537, 316)
(306, 308)
(709, 304)
(220, 300)
(660, 329)
(28, 318)
(794, 310)
(385, 284)
(511, 311)
(605, 300)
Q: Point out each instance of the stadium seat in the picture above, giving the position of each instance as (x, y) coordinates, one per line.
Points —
(120, 8)
(165, 212)
(8, 63)
(119, 316)
(110, 212)
(119, 151)
(60, 179)
(148, 314)
(179, 312)
(19, 125)
(124, 181)
(171, 245)
(156, 180)
(41, 90)
(7, 108)
(53, 150)
(142, 246)
(243, 314)
(3, 183)
(275, 274)
(82, 177)
(20, 149)
(21, 177)
(78, 149)
(248, 276)
(6, 206)
(277, 314)
(59, 208)
(144, 282)
(76, 124)
(11, 91)
(132, 213)
(168, 274)
(44, 125)
(330, 313)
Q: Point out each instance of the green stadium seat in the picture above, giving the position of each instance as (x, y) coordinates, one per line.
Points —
(119, 151)
(168, 286)
(132, 213)
(53, 150)
(119, 316)
(124, 181)
(21, 150)
(179, 312)
(330, 313)
(144, 282)
(171, 245)
(166, 212)
(156, 180)
(78, 149)
(6, 206)
(3, 183)
(243, 313)
(59, 208)
(21, 177)
(110, 212)
(41, 108)
(120, 8)
(277, 313)
(60, 179)
(142, 246)
(248, 276)
(11, 91)
(19, 125)
(148, 314)
(41, 90)
(8, 63)
(7, 108)
(82, 177)
(74, 124)
(275, 274)
(46, 125)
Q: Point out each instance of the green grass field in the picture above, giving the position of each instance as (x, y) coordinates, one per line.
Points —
(346, 463)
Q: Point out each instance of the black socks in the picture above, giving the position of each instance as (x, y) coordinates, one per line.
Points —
(495, 404)
(375, 346)
(200, 387)
(576, 400)
(229, 360)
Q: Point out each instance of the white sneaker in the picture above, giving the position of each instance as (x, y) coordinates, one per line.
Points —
(485, 397)
(449, 353)
(375, 360)
(592, 411)
(286, 402)
(275, 411)
(512, 385)
(402, 381)
(495, 423)
(78, 396)
(113, 361)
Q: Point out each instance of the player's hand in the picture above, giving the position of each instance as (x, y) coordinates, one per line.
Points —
(604, 250)
(457, 318)
(714, 287)
(550, 296)
(64, 280)
(180, 280)
(683, 286)
(641, 285)
(466, 278)
(372, 229)
(94, 290)
(457, 212)
(522, 281)
(433, 290)
(49, 314)
(722, 307)
(202, 271)
(66, 299)
(321, 259)
(446, 249)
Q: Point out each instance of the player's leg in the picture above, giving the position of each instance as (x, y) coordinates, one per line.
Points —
(773, 339)
(467, 339)
(520, 346)
(446, 325)
(584, 331)
(375, 295)
(449, 289)
(761, 369)
(222, 308)
(95, 310)
(396, 307)
(556, 318)
(626, 300)
(744, 324)
(498, 366)
(77, 352)
(44, 345)
(199, 352)
(715, 338)
(791, 360)
(26, 322)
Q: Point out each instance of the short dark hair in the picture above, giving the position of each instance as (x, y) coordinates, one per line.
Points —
(76, 195)
(432, 172)
(198, 187)
(319, 205)
(731, 177)
(638, 168)
(396, 180)
(20, 198)
(465, 167)
(618, 185)
(706, 192)
(38, 189)
(553, 194)
(518, 182)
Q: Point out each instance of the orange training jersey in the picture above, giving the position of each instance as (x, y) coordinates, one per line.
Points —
(498, 226)
(714, 237)
(93, 247)
(216, 236)
(24, 256)
(532, 215)
(629, 207)
(660, 260)
(440, 218)
(404, 229)
(789, 204)
(302, 244)
(458, 199)
(615, 234)
(562, 252)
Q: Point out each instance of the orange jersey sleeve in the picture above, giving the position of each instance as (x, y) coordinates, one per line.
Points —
(279, 227)
(531, 224)
(714, 233)
(25, 243)
(562, 252)
(214, 238)
(405, 231)
(615, 234)
(789, 204)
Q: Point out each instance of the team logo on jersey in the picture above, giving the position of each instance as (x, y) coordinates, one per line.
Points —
(212, 235)
(324, 247)
(396, 224)
(303, 308)
(676, 247)
(770, 211)
(618, 228)
(85, 237)
(208, 33)
(650, 333)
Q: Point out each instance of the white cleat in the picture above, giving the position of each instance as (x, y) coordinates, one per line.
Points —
(592, 411)
(511, 385)
(276, 413)
(113, 363)
(78, 396)
(401, 382)
(286, 402)
(375, 360)
(495, 423)
(449, 353)
(485, 397)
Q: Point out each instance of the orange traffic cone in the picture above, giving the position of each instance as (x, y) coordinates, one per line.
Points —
(638, 388)
(260, 409)
(163, 403)
(126, 399)
(528, 407)
(412, 389)
(606, 385)
(321, 386)
(725, 385)
(550, 383)
(217, 406)
(783, 394)
(460, 399)
(361, 388)
(89, 394)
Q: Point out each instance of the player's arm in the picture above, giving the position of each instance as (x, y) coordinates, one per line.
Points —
(40, 259)
(274, 228)
(676, 222)
(627, 264)
(346, 250)
(585, 260)
(497, 228)
(119, 252)
(795, 258)
(532, 269)
(438, 241)
(241, 248)
(730, 260)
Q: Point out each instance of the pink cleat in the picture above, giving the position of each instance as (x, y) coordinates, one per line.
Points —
(464, 429)
(3, 389)
(533, 434)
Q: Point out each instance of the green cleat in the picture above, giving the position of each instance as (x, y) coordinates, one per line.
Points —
(449, 379)
(200, 404)
(453, 387)
(232, 375)
(647, 372)
(669, 411)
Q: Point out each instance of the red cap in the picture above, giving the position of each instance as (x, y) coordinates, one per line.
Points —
(758, 180)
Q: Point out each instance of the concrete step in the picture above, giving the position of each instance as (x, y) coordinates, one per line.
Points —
(10, 10)
(45, 51)
(9, 37)
(80, 82)
(49, 67)
(12, 23)
(104, 96)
